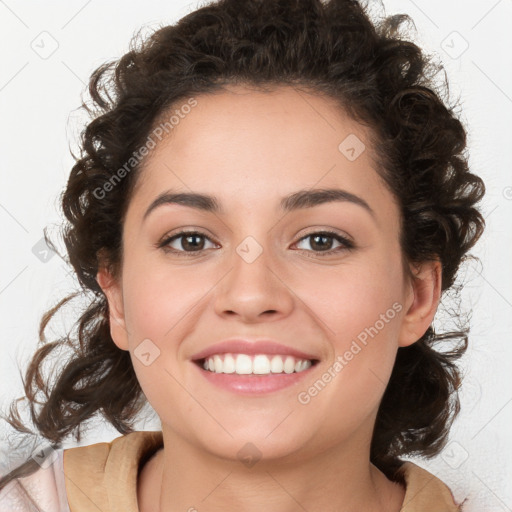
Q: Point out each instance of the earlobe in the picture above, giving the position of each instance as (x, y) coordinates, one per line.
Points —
(426, 294)
(113, 292)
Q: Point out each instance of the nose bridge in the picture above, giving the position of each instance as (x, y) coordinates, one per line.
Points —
(253, 285)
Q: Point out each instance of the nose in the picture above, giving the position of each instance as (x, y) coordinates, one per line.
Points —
(254, 290)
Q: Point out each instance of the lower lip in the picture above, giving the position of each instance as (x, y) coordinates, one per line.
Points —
(254, 384)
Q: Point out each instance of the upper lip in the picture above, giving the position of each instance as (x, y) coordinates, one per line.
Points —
(241, 346)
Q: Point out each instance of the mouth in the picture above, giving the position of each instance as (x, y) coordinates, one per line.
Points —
(252, 367)
(257, 364)
(255, 374)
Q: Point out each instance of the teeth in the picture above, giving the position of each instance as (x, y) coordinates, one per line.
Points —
(261, 364)
(229, 364)
(276, 364)
(289, 364)
(243, 365)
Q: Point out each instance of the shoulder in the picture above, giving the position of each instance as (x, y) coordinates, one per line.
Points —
(425, 492)
(102, 458)
(105, 474)
(43, 490)
(90, 477)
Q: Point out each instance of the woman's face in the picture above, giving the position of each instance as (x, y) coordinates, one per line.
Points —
(261, 269)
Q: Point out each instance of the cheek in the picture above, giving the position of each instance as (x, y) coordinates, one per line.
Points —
(361, 309)
(157, 301)
(159, 306)
(354, 297)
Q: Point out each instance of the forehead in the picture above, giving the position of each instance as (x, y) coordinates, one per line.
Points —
(243, 145)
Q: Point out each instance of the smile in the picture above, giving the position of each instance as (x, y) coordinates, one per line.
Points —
(259, 364)
(257, 374)
(252, 367)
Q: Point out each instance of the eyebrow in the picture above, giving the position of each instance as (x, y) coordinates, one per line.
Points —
(295, 201)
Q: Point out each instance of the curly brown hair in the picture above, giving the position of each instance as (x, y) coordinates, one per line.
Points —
(380, 79)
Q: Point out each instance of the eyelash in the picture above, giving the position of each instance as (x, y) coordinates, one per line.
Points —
(347, 244)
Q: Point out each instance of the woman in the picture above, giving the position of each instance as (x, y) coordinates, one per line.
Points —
(270, 202)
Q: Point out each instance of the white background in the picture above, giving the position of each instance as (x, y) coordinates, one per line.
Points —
(39, 96)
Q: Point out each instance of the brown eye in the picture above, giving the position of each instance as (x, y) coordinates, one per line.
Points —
(322, 242)
(185, 242)
(192, 242)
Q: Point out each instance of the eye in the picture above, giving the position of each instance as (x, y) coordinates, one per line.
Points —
(322, 242)
(185, 242)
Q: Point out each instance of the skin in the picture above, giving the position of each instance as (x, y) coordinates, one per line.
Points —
(250, 149)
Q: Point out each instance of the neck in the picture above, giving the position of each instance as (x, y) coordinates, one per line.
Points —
(182, 477)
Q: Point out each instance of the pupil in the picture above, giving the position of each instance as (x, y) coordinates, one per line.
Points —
(192, 245)
(323, 237)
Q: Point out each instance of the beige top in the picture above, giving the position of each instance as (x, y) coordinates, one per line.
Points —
(103, 476)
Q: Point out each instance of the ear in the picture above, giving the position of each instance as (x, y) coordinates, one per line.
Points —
(114, 293)
(424, 297)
